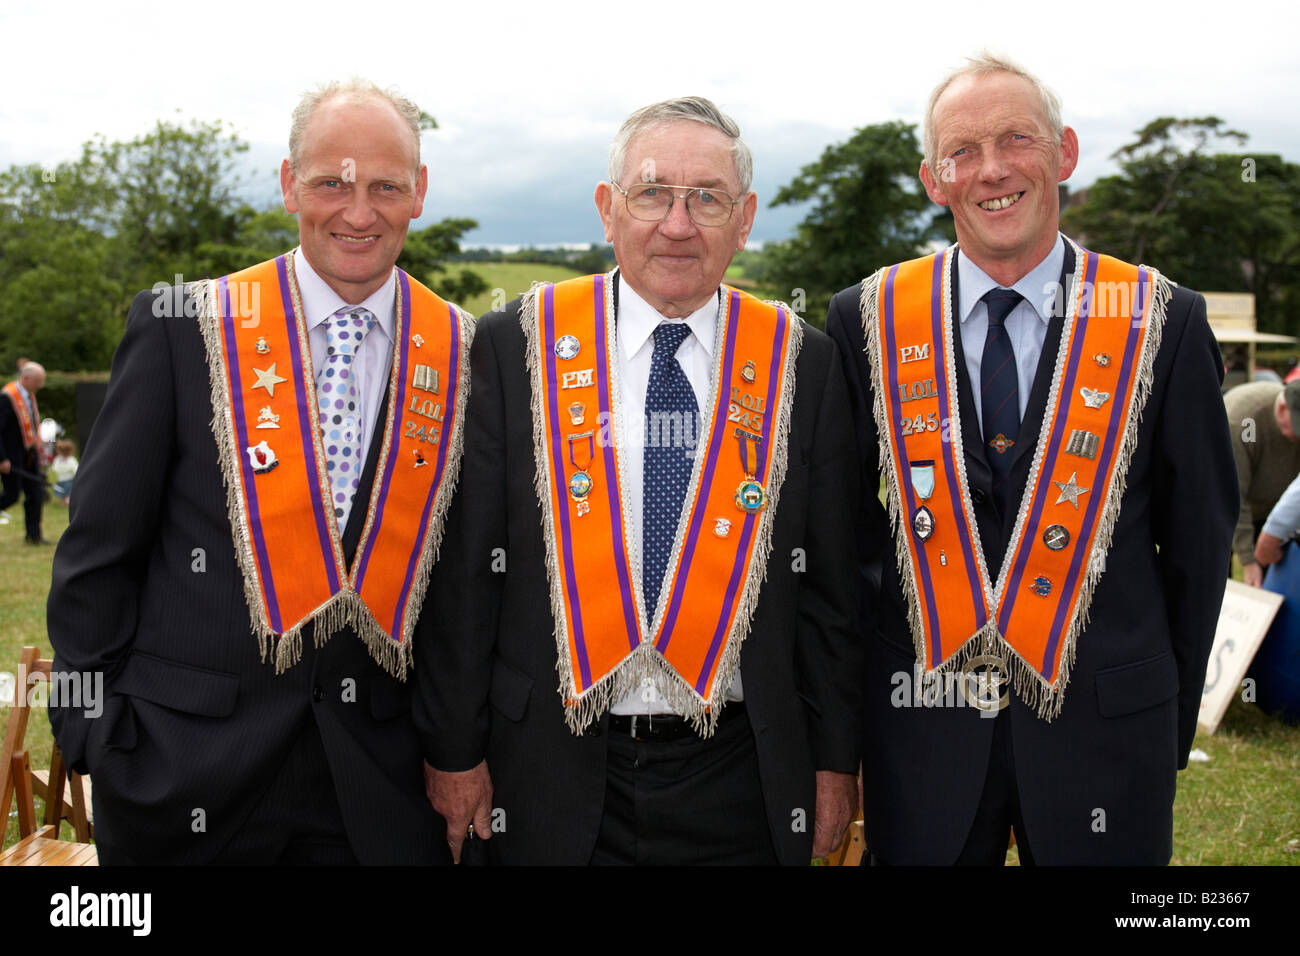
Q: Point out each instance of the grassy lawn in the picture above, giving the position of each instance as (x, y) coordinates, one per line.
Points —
(512, 278)
(1240, 807)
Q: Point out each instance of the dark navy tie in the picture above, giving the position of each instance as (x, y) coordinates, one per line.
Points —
(670, 425)
(999, 391)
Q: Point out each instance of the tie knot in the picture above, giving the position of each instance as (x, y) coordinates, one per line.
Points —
(668, 337)
(347, 327)
(1000, 302)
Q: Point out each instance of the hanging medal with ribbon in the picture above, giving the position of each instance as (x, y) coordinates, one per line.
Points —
(922, 475)
(580, 483)
(750, 496)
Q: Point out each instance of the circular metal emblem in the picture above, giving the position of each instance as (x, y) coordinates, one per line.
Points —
(983, 682)
(1056, 537)
(567, 346)
(750, 496)
(923, 523)
(580, 485)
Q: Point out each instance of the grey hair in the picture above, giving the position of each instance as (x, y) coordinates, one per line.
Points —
(357, 88)
(983, 64)
(696, 109)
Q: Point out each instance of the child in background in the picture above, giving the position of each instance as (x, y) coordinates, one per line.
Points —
(63, 468)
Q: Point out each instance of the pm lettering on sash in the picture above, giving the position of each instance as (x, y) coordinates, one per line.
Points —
(580, 378)
(913, 353)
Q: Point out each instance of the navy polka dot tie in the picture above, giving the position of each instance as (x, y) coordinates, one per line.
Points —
(1000, 392)
(670, 423)
(336, 398)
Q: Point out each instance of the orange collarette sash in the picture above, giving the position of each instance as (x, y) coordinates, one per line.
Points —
(31, 436)
(264, 421)
(605, 647)
(1031, 620)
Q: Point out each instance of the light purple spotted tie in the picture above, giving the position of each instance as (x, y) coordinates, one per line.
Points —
(336, 397)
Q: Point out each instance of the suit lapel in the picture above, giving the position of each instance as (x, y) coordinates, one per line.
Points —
(1037, 407)
(352, 533)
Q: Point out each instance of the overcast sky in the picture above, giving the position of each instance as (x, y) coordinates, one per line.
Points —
(527, 96)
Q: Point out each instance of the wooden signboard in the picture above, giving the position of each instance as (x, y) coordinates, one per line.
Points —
(1244, 619)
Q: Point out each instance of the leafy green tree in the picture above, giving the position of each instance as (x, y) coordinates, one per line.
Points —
(1214, 221)
(870, 211)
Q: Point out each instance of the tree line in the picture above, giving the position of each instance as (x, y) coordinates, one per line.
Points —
(79, 239)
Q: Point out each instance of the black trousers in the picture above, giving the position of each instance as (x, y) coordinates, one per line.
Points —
(998, 812)
(685, 802)
(33, 492)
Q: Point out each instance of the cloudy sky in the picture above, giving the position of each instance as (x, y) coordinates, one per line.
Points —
(527, 95)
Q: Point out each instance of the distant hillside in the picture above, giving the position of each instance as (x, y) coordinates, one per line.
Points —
(512, 277)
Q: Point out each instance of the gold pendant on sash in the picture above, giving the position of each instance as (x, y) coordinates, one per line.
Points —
(751, 498)
(580, 483)
(922, 473)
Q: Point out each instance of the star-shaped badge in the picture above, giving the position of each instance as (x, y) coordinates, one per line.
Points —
(267, 379)
(1070, 491)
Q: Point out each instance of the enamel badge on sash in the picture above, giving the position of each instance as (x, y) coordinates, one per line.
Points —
(580, 483)
(750, 496)
(922, 473)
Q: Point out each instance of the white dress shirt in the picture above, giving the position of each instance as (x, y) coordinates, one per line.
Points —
(636, 322)
(372, 365)
(1026, 324)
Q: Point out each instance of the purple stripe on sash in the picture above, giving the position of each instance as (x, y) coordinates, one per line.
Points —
(631, 615)
(399, 406)
(305, 426)
(449, 414)
(706, 482)
(886, 299)
(1016, 578)
(742, 551)
(245, 466)
(954, 486)
(1109, 448)
(557, 468)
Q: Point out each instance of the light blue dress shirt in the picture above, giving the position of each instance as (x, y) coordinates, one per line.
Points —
(1026, 325)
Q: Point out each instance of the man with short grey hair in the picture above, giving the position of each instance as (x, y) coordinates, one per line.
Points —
(256, 520)
(1059, 483)
(1262, 420)
(655, 506)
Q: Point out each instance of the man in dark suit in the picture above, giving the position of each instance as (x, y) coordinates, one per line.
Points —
(641, 757)
(1075, 623)
(21, 450)
(279, 381)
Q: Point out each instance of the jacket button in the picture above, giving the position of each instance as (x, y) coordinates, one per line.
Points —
(592, 731)
(977, 496)
(317, 694)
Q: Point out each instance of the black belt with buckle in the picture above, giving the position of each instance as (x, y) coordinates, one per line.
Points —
(665, 727)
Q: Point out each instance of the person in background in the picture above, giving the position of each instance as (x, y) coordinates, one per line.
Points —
(63, 468)
(1262, 420)
(22, 453)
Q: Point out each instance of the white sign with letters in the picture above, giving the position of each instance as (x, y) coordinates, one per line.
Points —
(1244, 619)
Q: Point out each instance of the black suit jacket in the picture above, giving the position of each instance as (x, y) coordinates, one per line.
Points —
(1096, 784)
(146, 591)
(487, 660)
(11, 437)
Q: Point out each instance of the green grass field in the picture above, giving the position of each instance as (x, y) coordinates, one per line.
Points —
(510, 278)
(1241, 807)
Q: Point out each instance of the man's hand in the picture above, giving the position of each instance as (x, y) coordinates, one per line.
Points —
(4, 467)
(1253, 574)
(461, 799)
(1268, 550)
(837, 801)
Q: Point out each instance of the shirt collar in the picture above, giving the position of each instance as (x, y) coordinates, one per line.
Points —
(319, 301)
(638, 319)
(1038, 285)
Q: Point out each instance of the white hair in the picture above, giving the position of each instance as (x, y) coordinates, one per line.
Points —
(695, 109)
(984, 64)
(357, 88)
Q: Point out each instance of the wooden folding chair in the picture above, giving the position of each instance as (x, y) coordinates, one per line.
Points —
(35, 847)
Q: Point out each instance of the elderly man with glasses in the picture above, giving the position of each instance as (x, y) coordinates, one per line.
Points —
(654, 506)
